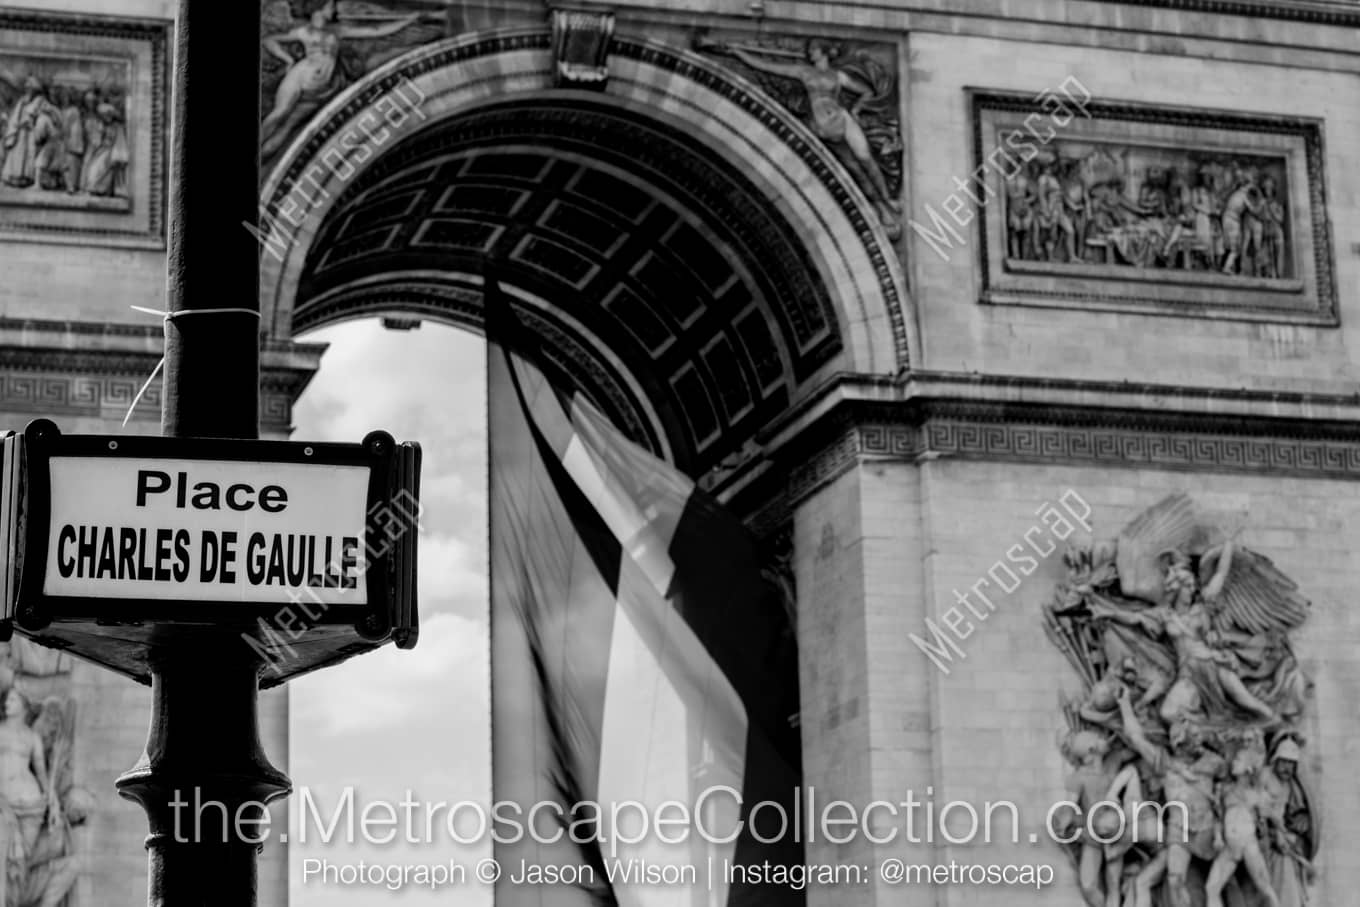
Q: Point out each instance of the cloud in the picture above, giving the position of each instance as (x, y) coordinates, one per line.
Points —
(428, 385)
(391, 720)
(390, 725)
(391, 687)
(452, 575)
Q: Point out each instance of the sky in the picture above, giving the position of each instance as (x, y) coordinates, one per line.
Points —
(392, 720)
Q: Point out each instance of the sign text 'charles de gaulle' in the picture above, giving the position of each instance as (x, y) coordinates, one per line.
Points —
(185, 530)
(112, 546)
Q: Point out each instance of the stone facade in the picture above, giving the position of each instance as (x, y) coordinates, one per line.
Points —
(808, 298)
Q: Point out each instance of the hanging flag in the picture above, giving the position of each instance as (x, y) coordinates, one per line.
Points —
(640, 661)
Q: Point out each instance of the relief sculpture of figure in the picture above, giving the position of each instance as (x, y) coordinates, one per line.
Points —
(1273, 241)
(1189, 770)
(1152, 209)
(106, 168)
(1180, 635)
(1206, 675)
(73, 144)
(832, 122)
(38, 873)
(1205, 213)
(1020, 203)
(1292, 850)
(1087, 786)
(1055, 222)
(317, 75)
(1245, 809)
(30, 138)
(40, 804)
(1242, 212)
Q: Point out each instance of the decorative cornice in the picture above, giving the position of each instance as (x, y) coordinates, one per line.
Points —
(54, 338)
(929, 416)
(102, 384)
(79, 362)
(1322, 12)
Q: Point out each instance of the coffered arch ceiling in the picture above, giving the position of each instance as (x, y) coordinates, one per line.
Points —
(663, 283)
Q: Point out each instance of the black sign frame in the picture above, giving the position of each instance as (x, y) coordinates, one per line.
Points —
(36, 610)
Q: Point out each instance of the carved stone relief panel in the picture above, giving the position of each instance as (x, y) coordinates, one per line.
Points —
(41, 806)
(1202, 213)
(82, 129)
(1191, 701)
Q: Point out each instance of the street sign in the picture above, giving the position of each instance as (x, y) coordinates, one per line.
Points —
(123, 543)
(193, 530)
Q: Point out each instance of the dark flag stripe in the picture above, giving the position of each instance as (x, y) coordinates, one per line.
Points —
(693, 601)
(552, 617)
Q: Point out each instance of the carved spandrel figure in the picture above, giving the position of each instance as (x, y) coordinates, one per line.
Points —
(831, 121)
(1188, 633)
(320, 73)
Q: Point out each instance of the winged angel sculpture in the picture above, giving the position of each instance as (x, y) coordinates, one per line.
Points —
(1192, 699)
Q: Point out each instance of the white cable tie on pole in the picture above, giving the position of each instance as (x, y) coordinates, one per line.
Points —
(167, 316)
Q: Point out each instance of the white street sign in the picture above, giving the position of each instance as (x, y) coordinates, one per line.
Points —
(206, 530)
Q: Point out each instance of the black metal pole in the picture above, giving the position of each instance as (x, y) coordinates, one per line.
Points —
(203, 781)
(212, 346)
(204, 777)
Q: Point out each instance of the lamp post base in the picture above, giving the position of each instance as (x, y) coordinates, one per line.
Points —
(204, 779)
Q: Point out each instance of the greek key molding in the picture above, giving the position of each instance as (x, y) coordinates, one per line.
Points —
(1200, 451)
(68, 396)
(1322, 12)
(99, 396)
(918, 431)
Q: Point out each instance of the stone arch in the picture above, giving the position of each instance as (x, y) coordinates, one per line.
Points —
(676, 94)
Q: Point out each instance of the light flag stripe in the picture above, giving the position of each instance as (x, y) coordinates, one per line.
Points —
(648, 748)
(635, 532)
(654, 508)
(660, 675)
(683, 659)
(583, 439)
(674, 677)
